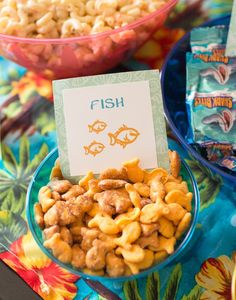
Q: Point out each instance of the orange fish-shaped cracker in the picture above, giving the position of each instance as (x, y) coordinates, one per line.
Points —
(123, 136)
(94, 148)
(97, 126)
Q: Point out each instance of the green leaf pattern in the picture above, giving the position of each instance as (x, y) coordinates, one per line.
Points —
(16, 175)
(173, 283)
(12, 226)
(208, 183)
(153, 287)
(131, 290)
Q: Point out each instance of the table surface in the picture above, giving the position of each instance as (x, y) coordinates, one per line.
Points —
(20, 291)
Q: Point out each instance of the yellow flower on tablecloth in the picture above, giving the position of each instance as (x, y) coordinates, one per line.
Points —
(45, 277)
(215, 277)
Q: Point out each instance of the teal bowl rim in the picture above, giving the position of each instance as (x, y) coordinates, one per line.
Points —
(144, 273)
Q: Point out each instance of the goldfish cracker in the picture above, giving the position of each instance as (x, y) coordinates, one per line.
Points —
(60, 249)
(114, 174)
(157, 189)
(78, 257)
(45, 199)
(60, 186)
(56, 170)
(95, 210)
(124, 219)
(175, 163)
(84, 182)
(130, 234)
(179, 197)
(134, 195)
(167, 244)
(166, 227)
(147, 261)
(148, 229)
(160, 173)
(134, 254)
(152, 212)
(132, 268)
(105, 224)
(109, 184)
(74, 191)
(183, 187)
(38, 214)
(93, 273)
(143, 189)
(183, 225)
(160, 256)
(115, 265)
(108, 239)
(134, 172)
(176, 213)
(93, 187)
(113, 201)
(151, 241)
(171, 178)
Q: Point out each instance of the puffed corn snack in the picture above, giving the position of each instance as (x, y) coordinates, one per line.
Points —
(120, 223)
(63, 18)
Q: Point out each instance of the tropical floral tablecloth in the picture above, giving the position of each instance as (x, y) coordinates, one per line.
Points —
(204, 270)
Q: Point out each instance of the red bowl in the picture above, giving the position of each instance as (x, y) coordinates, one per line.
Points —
(84, 55)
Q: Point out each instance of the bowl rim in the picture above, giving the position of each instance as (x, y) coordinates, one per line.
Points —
(144, 273)
(175, 130)
(11, 38)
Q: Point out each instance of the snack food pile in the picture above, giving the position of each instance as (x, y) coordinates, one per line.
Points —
(210, 96)
(61, 18)
(118, 224)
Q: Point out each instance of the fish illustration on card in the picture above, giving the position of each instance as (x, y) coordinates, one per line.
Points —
(94, 148)
(123, 136)
(97, 126)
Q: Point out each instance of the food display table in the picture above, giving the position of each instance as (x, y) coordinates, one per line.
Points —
(204, 269)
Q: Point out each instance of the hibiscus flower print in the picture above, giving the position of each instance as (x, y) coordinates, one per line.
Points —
(45, 277)
(215, 277)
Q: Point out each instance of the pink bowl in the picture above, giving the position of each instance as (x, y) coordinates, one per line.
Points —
(85, 55)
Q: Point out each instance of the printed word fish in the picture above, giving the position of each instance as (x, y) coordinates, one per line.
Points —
(107, 103)
(123, 136)
(97, 126)
(94, 148)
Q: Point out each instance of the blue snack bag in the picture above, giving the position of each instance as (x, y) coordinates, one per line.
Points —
(211, 105)
(209, 40)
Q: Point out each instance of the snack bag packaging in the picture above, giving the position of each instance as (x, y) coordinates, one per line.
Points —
(209, 40)
(211, 107)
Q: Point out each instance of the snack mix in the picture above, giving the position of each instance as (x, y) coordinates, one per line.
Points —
(117, 224)
(63, 18)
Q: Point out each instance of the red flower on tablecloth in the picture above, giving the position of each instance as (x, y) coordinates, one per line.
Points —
(215, 277)
(155, 50)
(45, 277)
(31, 83)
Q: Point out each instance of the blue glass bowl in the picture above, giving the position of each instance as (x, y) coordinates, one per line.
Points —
(41, 178)
(173, 81)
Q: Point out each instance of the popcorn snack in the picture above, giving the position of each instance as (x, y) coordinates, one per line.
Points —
(115, 226)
